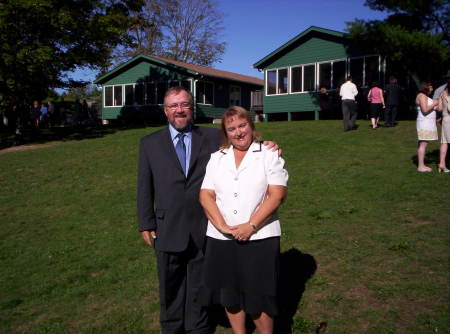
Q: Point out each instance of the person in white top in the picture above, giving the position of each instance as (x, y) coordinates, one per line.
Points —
(348, 92)
(243, 187)
(425, 124)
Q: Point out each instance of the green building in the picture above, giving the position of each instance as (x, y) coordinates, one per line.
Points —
(135, 90)
(316, 58)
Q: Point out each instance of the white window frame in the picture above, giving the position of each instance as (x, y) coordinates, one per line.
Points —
(266, 80)
(364, 68)
(277, 80)
(291, 78)
(124, 94)
(332, 71)
(204, 95)
(315, 78)
(113, 99)
(302, 84)
(154, 91)
(240, 95)
(318, 85)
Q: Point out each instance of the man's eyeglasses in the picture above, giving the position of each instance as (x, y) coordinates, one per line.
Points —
(184, 106)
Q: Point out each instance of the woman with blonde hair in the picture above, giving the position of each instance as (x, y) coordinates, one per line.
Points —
(426, 123)
(244, 185)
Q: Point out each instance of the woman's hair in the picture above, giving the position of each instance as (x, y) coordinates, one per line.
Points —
(424, 88)
(375, 84)
(239, 112)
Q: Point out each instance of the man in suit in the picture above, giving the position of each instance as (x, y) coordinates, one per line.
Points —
(172, 164)
(393, 91)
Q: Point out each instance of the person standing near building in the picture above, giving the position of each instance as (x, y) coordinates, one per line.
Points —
(43, 115)
(375, 97)
(35, 114)
(348, 93)
(425, 124)
(51, 113)
(393, 92)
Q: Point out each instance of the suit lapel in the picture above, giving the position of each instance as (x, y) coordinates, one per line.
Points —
(196, 145)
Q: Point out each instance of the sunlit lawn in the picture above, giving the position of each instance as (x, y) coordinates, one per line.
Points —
(366, 233)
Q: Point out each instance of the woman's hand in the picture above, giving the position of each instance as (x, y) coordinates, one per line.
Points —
(227, 229)
(242, 232)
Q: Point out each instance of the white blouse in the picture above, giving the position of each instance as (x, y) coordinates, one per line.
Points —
(239, 192)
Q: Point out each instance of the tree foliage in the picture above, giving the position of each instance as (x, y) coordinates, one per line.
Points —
(184, 30)
(41, 40)
(414, 36)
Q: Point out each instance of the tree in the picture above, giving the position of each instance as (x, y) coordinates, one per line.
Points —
(184, 30)
(414, 34)
(42, 40)
(145, 31)
(89, 92)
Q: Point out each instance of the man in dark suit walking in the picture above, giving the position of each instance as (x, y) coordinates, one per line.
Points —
(172, 165)
(393, 92)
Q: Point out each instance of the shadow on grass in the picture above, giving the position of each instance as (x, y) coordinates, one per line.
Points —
(431, 158)
(296, 268)
(38, 136)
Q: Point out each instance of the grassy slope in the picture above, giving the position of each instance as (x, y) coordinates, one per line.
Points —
(71, 259)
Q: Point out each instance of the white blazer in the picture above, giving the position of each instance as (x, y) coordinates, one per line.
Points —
(239, 192)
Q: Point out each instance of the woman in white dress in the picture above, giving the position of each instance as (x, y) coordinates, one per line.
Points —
(444, 106)
(426, 123)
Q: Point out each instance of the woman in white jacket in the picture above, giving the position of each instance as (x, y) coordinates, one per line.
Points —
(244, 185)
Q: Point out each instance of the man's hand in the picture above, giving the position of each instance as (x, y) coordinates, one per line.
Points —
(271, 145)
(149, 237)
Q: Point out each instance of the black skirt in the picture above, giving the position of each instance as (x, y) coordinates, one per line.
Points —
(375, 110)
(242, 273)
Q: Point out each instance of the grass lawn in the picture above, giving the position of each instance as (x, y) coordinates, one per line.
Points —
(365, 237)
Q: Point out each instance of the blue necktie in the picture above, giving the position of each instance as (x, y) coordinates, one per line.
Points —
(180, 148)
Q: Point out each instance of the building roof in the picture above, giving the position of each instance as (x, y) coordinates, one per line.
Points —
(196, 70)
(302, 35)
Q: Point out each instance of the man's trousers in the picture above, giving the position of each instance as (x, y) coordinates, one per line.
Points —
(180, 275)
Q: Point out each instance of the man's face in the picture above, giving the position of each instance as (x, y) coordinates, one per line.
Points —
(178, 110)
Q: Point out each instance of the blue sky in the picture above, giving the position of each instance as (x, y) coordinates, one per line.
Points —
(255, 28)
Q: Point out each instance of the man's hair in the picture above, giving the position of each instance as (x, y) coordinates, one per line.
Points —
(239, 112)
(349, 78)
(392, 79)
(177, 90)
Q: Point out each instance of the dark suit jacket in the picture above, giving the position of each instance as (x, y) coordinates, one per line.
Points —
(167, 201)
(393, 92)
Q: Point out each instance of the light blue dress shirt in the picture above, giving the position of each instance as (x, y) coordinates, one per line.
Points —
(187, 143)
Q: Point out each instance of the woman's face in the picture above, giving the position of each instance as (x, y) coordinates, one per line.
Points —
(239, 132)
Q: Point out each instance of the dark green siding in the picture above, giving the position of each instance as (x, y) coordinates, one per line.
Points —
(111, 112)
(313, 50)
(291, 103)
(209, 111)
(144, 71)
